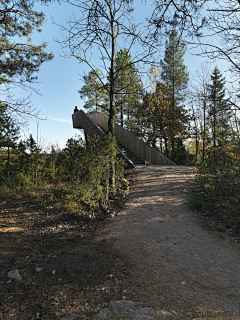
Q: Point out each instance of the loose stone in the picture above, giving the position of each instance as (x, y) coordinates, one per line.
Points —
(142, 313)
(75, 317)
(119, 307)
(104, 314)
(165, 314)
(14, 274)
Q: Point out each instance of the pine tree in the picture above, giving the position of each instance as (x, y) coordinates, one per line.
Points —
(20, 59)
(175, 76)
(218, 111)
(95, 93)
(22, 157)
(34, 157)
(155, 117)
(9, 134)
(128, 87)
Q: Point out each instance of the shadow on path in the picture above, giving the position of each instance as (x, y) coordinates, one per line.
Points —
(179, 265)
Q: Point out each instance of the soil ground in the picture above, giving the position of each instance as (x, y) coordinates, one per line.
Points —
(155, 251)
(65, 268)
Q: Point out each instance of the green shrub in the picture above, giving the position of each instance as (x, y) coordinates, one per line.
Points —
(217, 195)
(79, 180)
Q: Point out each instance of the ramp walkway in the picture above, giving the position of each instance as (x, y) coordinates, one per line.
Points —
(133, 150)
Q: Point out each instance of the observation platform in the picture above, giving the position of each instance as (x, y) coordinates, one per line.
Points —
(133, 150)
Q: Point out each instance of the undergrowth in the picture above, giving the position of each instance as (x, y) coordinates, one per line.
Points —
(80, 180)
(216, 194)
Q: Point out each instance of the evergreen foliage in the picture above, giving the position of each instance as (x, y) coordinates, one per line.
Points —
(128, 89)
(95, 93)
(9, 134)
(219, 113)
(216, 191)
(216, 195)
(77, 180)
(175, 76)
(214, 123)
(154, 115)
(20, 59)
(163, 116)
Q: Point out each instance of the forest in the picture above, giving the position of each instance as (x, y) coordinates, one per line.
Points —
(191, 120)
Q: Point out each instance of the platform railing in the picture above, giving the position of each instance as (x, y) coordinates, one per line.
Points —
(134, 144)
(83, 121)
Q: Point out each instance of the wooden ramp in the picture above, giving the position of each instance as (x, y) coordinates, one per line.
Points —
(133, 150)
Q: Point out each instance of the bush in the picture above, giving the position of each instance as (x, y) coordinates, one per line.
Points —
(216, 194)
(78, 180)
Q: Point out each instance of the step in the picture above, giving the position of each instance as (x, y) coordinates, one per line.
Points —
(132, 156)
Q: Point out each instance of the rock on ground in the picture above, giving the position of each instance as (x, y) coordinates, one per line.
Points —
(14, 274)
(125, 310)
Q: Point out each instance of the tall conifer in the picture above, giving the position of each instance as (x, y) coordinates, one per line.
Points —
(218, 110)
(175, 76)
(9, 134)
(94, 92)
(128, 87)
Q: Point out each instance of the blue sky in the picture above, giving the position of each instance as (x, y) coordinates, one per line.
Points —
(59, 79)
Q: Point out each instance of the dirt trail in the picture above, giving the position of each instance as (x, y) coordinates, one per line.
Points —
(178, 264)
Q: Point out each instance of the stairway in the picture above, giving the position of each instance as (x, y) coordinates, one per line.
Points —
(133, 157)
(131, 149)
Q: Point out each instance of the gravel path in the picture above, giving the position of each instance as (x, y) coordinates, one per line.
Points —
(180, 264)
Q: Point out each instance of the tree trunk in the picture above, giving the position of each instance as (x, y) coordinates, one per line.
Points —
(196, 141)
(112, 113)
(113, 176)
(96, 94)
(204, 130)
(161, 148)
(172, 137)
(122, 111)
(172, 156)
(8, 161)
(214, 135)
(166, 146)
(105, 203)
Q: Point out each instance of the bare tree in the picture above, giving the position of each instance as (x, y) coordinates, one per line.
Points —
(223, 36)
(211, 25)
(198, 98)
(202, 79)
(100, 28)
(19, 110)
(185, 15)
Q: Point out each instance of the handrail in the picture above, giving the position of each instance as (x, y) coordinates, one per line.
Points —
(133, 143)
(82, 121)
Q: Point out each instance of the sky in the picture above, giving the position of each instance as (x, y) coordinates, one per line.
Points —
(60, 79)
